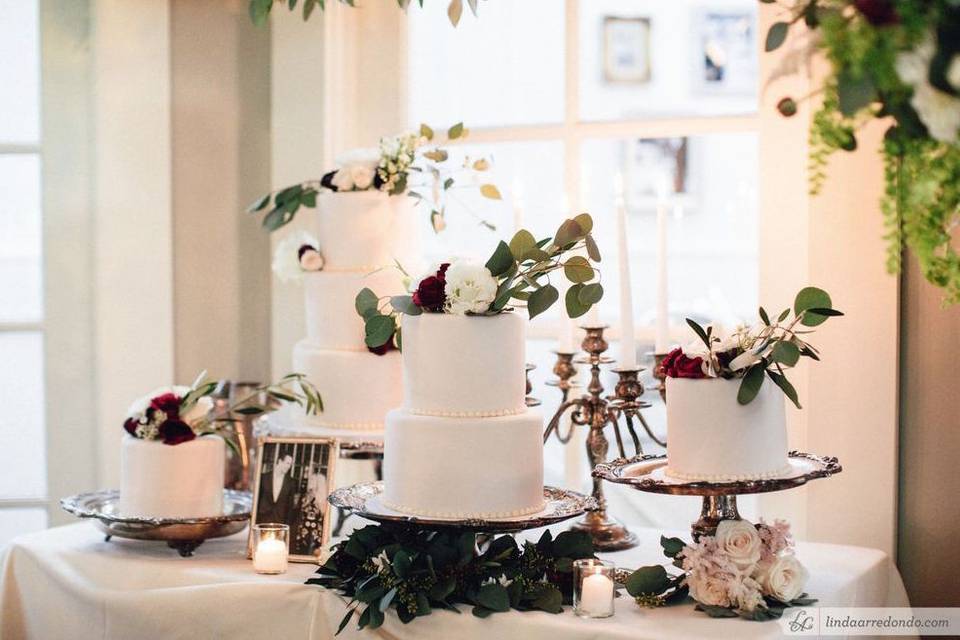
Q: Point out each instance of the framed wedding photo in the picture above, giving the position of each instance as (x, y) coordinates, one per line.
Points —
(294, 476)
(626, 50)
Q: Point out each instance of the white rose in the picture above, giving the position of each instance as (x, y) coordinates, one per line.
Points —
(311, 260)
(783, 578)
(709, 589)
(938, 110)
(469, 288)
(199, 410)
(361, 175)
(342, 180)
(740, 541)
(286, 256)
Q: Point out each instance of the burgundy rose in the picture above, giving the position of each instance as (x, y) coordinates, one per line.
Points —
(169, 403)
(175, 431)
(678, 365)
(429, 294)
(879, 13)
(130, 425)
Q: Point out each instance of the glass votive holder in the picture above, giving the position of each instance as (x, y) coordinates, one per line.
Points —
(593, 588)
(271, 546)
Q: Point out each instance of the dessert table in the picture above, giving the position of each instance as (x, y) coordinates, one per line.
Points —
(67, 582)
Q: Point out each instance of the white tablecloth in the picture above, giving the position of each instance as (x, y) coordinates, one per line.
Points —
(68, 583)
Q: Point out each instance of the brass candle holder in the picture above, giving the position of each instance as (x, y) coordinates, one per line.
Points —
(659, 375)
(596, 411)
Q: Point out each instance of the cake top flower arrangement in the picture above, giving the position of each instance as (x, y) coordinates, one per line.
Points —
(408, 163)
(743, 570)
(178, 414)
(765, 350)
(517, 273)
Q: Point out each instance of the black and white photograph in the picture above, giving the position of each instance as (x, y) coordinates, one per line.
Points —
(626, 50)
(726, 62)
(294, 477)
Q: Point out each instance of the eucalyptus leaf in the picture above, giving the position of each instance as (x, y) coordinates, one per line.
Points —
(585, 221)
(699, 331)
(259, 204)
(522, 242)
(671, 546)
(405, 304)
(788, 390)
(776, 35)
(578, 269)
(426, 132)
(751, 383)
(591, 293)
(493, 597)
(811, 298)
(650, 580)
(592, 249)
(501, 261)
(785, 353)
(542, 299)
(568, 233)
(366, 303)
(490, 191)
(378, 330)
(456, 130)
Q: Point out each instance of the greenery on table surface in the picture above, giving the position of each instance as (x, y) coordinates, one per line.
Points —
(522, 270)
(416, 571)
(260, 9)
(896, 60)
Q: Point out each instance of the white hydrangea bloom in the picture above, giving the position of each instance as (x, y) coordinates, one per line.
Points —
(469, 288)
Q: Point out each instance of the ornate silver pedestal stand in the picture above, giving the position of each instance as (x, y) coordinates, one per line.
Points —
(596, 411)
(646, 473)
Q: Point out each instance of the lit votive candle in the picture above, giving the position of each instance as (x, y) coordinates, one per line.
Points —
(593, 588)
(270, 548)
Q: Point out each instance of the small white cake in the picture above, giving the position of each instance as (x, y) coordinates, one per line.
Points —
(710, 436)
(464, 445)
(362, 234)
(184, 480)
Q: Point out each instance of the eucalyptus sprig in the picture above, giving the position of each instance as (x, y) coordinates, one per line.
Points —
(770, 348)
(260, 9)
(521, 268)
(293, 387)
(415, 571)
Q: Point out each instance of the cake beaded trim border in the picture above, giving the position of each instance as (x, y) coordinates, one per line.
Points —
(468, 414)
(492, 515)
(724, 477)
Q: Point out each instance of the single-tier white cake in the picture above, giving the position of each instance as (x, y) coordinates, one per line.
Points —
(184, 480)
(710, 436)
(362, 235)
(464, 445)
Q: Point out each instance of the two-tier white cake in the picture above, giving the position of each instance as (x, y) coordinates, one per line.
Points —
(464, 444)
(712, 437)
(362, 235)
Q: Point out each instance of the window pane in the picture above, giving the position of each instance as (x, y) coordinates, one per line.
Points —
(529, 176)
(16, 522)
(505, 67)
(650, 58)
(22, 439)
(19, 73)
(20, 239)
(712, 223)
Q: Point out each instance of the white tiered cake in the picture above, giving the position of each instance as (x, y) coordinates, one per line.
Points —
(464, 444)
(710, 436)
(361, 235)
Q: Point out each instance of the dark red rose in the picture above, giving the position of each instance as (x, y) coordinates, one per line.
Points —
(303, 249)
(677, 365)
(169, 403)
(175, 431)
(879, 13)
(429, 294)
(130, 425)
(385, 347)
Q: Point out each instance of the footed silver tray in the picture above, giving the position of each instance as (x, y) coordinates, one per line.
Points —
(364, 500)
(182, 534)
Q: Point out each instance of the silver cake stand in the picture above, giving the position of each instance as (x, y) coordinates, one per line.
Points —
(647, 473)
(365, 500)
(182, 534)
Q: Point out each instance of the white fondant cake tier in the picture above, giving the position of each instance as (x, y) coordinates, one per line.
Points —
(332, 320)
(365, 230)
(710, 436)
(357, 387)
(172, 481)
(464, 366)
(463, 467)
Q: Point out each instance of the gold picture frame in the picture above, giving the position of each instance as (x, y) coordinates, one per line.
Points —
(306, 468)
(626, 50)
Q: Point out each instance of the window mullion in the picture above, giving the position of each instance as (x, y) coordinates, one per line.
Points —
(571, 114)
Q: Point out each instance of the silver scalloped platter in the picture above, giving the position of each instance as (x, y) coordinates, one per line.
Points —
(364, 500)
(647, 473)
(183, 534)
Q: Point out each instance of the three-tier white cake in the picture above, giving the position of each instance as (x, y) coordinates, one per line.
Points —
(464, 444)
(362, 235)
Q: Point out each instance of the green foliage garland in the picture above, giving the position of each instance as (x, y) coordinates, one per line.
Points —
(416, 571)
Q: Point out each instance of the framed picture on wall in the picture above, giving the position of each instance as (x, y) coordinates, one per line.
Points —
(654, 164)
(294, 476)
(626, 50)
(726, 61)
